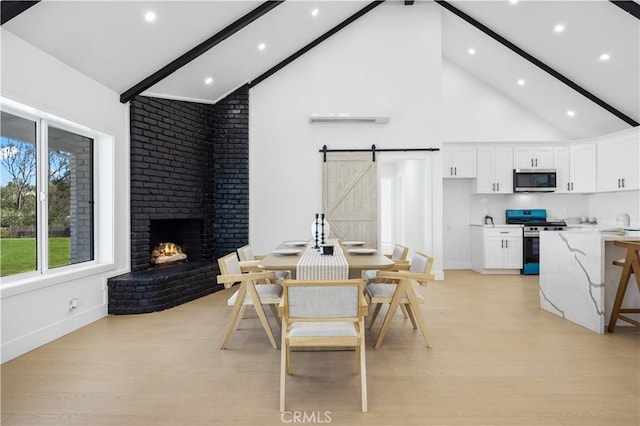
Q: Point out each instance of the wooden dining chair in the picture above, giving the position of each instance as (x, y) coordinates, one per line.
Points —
(399, 257)
(401, 288)
(323, 314)
(249, 293)
(252, 261)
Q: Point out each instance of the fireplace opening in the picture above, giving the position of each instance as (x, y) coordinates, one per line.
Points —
(175, 240)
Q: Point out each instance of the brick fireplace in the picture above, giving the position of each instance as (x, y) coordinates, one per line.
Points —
(189, 185)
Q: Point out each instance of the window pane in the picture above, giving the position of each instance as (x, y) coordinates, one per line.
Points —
(18, 252)
(70, 199)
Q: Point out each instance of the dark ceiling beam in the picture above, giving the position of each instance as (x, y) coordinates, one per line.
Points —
(628, 6)
(11, 9)
(368, 8)
(203, 47)
(622, 116)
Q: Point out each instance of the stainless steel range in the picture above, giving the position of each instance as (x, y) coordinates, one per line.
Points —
(533, 221)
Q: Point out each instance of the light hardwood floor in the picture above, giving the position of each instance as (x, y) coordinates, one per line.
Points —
(497, 359)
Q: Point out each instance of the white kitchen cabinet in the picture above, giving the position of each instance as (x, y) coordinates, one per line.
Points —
(582, 168)
(528, 157)
(496, 249)
(495, 170)
(618, 160)
(459, 162)
(561, 163)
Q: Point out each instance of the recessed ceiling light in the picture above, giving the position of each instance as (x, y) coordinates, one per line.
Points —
(571, 113)
(513, 1)
(262, 46)
(605, 57)
(471, 51)
(558, 28)
(150, 16)
(315, 12)
(208, 80)
(521, 82)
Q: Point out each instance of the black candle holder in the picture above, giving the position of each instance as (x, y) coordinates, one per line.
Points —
(316, 246)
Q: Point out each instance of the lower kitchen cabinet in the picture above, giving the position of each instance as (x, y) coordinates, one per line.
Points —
(496, 249)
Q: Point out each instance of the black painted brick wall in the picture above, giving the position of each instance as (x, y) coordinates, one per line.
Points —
(171, 170)
(188, 161)
(231, 168)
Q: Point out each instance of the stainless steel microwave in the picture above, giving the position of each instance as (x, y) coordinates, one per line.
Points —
(534, 180)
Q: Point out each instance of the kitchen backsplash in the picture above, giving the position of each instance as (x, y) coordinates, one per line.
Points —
(605, 206)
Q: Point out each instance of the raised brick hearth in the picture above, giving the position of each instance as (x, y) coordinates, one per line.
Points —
(161, 288)
(189, 172)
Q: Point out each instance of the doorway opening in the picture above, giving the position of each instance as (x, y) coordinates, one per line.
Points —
(405, 202)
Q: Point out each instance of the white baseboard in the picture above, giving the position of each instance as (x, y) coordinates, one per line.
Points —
(51, 332)
(456, 265)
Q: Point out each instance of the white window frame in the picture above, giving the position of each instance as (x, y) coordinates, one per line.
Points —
(103, 196)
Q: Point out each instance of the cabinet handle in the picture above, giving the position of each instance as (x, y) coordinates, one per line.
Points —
(536, 162)
(618, 183)
(572, 186)
(450, 171)
(532, 162)
(455, 171)
(622, 180)
(506, 243)
(501, 243)
(493, 186)
(497, 186)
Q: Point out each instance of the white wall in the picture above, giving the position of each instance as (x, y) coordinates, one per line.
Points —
(36, 311)
(457, 217)
(473, 111)
(386, 63)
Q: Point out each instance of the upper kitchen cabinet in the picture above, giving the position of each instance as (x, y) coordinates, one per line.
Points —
(495, 170)
(459, 162)
(618, 159)
(529, 157)
(582, 168)
(561, 163)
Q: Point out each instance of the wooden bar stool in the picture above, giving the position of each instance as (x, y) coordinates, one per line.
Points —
(631, 265)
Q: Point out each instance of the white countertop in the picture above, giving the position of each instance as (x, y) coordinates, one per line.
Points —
(578, 280)
(606, 236)
(497, 225)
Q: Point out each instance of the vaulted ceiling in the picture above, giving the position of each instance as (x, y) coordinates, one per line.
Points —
(203, 50)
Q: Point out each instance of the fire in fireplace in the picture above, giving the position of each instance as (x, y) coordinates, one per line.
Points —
(173, 241)
(166, 253)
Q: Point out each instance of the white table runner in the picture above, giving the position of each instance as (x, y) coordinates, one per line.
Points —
(315, 266)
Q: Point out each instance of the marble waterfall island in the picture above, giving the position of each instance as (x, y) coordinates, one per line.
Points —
(578, 280)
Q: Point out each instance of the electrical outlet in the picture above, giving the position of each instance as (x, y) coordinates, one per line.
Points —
(73, 304)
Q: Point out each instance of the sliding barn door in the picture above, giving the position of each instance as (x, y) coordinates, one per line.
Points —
(350, 196)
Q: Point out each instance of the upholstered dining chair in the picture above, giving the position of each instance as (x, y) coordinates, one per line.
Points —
(323, 313)
(249, 293)
(398, 255)
(251, 261)
(401, 288)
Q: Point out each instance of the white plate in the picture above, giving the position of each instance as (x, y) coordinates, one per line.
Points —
(353, 243)
(286, 252)
(296, 243)
(362, 251)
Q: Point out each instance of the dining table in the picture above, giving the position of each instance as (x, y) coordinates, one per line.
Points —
(358, 255)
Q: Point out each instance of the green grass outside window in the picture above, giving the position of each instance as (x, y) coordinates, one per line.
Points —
(18, 255)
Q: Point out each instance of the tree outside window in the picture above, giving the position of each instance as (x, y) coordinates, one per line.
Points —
(67, 225)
